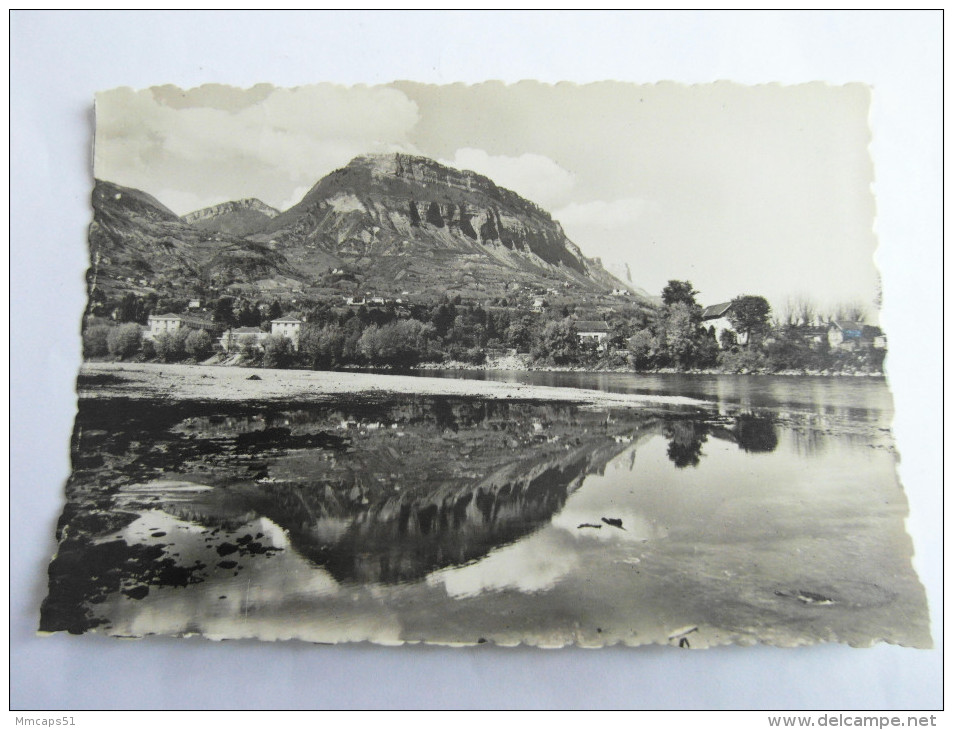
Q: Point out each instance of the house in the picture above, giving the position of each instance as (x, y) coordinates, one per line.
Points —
(539, 304)
(289, 327)
(715, 319)
(160, 324)
(195, 304)
(355, 301)
(593, 331)
(851, 335)
(235, 339)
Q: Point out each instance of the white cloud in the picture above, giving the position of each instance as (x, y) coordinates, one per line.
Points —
(531, 565)
(289, 139)
(536, 177)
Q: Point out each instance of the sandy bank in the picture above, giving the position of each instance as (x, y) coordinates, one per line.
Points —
(203, 382)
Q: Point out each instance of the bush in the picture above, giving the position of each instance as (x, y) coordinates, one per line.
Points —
(279, 352)
(558, 342)
(95, 340)
(323, 346)
(170, 346)
(250, 348)
(399, 344)
(198, 344)
(642, 348)
(148, 349)
(124, 340)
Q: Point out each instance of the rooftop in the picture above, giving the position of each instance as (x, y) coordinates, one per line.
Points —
(715, 310)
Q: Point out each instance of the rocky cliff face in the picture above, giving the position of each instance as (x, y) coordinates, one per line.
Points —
(412, 223)
(237, 217)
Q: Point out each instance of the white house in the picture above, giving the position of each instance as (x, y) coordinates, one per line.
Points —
(289, 327)
(235, 339)
(593, 331)
(160, 324)
(849, 335)
(716, 318)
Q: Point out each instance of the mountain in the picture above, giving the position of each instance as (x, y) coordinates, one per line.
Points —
(137, 244)
(238, 217)
(410, 223)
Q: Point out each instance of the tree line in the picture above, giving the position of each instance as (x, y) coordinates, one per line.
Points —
(671, 336)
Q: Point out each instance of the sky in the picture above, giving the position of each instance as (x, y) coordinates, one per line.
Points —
(761, 190)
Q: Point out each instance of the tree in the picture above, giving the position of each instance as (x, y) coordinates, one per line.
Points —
(643, 348)
(679, 292)
(170, 346)
(678, 334)
(399, 344)
(279, 351)
(198, 344)
(728, 339)
(224, 311)
(559, 342)
(95, 340)
(749, 315)
(124, 340)
(274, 311)
(324, 346)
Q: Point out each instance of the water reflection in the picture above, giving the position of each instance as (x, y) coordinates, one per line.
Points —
(371, 491)
(424, 518)
(685, 439)
(753, 433)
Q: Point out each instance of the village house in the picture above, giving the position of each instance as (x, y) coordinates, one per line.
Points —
(539, 304)
(289, 327)
(850, 335)
(160, 324)
(715, 320)
(593, 331)
(235, 339)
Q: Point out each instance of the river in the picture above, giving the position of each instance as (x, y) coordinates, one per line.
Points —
(770, 512)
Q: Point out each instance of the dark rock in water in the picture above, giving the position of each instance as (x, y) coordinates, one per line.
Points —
(613, 522)
(252, 377)
(589, 524)
(227, 564)
(226, 548)
(158, 534)
(807, 597)
(139, 592)
(244, 539)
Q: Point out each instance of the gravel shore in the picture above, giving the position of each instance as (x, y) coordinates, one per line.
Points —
(209, 382)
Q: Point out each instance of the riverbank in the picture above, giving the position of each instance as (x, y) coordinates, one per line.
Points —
(212, 383)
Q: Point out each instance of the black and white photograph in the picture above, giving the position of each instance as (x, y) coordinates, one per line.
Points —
(531, 363)
(379, 360)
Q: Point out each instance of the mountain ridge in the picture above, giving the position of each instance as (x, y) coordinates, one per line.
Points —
(393, 223)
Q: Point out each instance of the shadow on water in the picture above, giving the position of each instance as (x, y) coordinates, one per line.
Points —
(752, 433)
(373, 491)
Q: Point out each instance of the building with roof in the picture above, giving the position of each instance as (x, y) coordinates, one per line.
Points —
(589, 330)
(161, 324)
(850, 335)
(237, 338)
(289, 327)
(715, 319)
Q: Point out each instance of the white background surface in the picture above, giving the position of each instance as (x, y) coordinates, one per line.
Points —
(59, 59)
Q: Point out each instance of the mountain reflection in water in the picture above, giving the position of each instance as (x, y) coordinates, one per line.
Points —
(372, 491)
(454, 519)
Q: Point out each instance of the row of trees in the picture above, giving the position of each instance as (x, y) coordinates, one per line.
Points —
(758, 341)
(671, 336)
